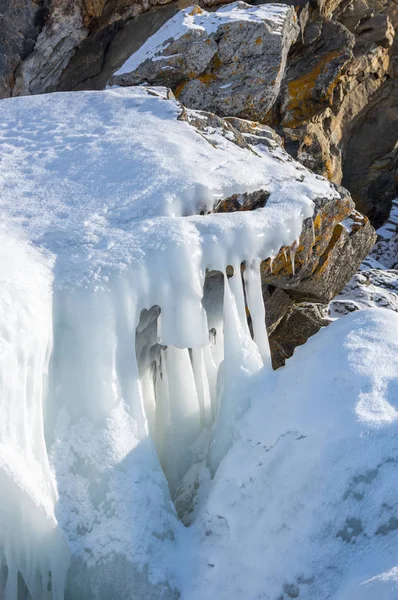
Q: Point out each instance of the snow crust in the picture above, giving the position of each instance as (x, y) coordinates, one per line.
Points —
(193, 19)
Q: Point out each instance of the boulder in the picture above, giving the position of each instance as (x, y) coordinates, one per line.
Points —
(20, 24)
(230, 62)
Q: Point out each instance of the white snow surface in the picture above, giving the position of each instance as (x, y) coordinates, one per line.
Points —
(304, 504)
(195, 19)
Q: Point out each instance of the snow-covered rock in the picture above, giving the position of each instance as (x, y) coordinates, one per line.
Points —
(376, 284)
(230, 62)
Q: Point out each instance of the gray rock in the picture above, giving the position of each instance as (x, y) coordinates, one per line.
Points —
(235, 70)
(301, 322)
(371, 156)
(20, 24)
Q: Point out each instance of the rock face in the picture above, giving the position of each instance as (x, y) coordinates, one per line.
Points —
(58, 44)
(337, 84)
(230, 62)
(371, 169)
(20, 24)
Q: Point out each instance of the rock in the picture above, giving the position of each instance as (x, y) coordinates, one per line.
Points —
(20, 24)
(350, 242)
(371, 157)
(302, 321)
(277, 303)
(231, 62)
(61, 44)
(41, 70)
(313, 74)
(108, 46)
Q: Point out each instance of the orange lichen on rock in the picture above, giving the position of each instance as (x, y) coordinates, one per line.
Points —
(196, 11)
(300, 106)
(207, 78)
(180, 87)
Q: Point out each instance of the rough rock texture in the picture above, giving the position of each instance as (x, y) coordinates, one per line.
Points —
(57, 44)
(301, 322)
(338, 88)
(371, 169)
(20, 24)
(233, 67)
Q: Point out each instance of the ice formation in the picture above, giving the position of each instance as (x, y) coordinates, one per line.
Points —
(117, 353)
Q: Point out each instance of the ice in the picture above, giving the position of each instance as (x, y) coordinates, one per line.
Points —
(123, 367)
(33, 553)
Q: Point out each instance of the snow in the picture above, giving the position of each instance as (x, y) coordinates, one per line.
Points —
(195, 19)
(98, 174)
(304, 503)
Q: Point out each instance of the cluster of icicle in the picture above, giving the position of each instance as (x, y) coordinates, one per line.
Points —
(121, 371)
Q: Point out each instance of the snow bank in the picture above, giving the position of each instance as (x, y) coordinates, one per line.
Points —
(305, 502)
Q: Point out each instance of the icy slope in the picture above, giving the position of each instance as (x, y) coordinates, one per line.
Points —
(304, 505)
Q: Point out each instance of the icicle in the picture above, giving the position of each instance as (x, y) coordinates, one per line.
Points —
(254, 296)
(202, 385)
(236, 286)
(241, 358)
(179, 422)
(292, 252)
